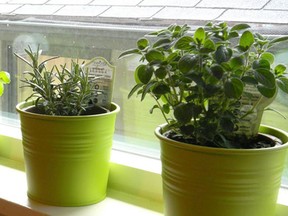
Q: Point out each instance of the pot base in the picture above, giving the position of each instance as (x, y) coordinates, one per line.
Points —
(66, 204)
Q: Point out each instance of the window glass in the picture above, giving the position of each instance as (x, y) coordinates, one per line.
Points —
(135, 125)
(278, 118)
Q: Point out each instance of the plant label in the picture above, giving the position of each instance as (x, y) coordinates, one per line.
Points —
(103, 72)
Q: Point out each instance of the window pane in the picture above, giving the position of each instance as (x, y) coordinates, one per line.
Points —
(280, 104)
(134, 126)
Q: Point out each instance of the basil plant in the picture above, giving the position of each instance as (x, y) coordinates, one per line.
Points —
(4, 79)
(198, 78)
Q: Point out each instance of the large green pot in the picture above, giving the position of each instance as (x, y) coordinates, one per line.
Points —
(67, 157)
(203, 181)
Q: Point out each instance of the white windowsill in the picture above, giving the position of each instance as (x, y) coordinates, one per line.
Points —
(14, 201)
(124, 196)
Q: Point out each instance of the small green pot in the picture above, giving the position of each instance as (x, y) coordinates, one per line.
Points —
(203, 181)
(67, 157)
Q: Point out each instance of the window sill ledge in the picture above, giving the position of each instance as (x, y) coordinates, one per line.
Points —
(134, 186)
(14, 201)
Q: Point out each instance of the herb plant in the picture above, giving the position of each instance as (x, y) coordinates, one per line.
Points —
(4, 79)
(198, 80)
(59, 91)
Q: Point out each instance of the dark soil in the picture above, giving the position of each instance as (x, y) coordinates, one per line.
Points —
(90, 111)
(260, 141)
(95, 110)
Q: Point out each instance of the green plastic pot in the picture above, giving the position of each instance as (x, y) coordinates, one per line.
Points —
(67, 157)
(203, 181)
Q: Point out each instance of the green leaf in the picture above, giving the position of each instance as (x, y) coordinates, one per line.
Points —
(1, 88)
(134, 89)
(197, 78)
(161, 89)
(154, 56)
(260, 37)
(172, 57)
(217, 71)
(279, 69)
(152, 109)
(147, 88)
(142, 43)
(268, 56)
(240, 27)
(227, 125)
(161, 72)
(211, 89)
(237, 62)
(4, 77)
(177, 31)
(143, 74)
(267, 92)
(283, 84)
(223, 54)
(226, 66)
(164, 42)
(265, 77)
(233, 34)
(166, 108)
(246, 40)
(233, 88)
(125, 53)
(187, 62)
(183, 113)
(278, 40)
(183, 29)
(262, 63)
(197, 110)
(139, 68)
(24, 60)
(209, 46)
(276, 111)
(161, 32)
(184, 43)
(199, 35)
(249, 80)
(33, 56)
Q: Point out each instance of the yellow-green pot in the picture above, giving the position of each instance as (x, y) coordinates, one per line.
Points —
(204, 181)
(67, 157)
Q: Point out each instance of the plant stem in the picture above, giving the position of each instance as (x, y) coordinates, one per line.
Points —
(160, 107)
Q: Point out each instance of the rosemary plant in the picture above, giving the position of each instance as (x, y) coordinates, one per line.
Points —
(59, 91)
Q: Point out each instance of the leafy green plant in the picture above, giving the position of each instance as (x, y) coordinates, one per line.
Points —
(4, 79)
(198, 80)
(59, 91)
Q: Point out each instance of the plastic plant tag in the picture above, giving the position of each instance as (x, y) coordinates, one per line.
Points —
(254, 104)
(99, 67)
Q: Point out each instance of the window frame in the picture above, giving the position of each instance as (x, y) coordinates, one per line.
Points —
(127, 162)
